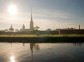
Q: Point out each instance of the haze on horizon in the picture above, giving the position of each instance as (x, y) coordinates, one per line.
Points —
(51, 14)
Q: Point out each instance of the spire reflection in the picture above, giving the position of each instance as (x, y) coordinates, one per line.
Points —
(32, 46)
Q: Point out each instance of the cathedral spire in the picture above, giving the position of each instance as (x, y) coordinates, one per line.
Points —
(31, 22)
(31, 15)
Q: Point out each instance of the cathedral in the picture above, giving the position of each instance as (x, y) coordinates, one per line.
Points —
(23, 29)
(31, 25)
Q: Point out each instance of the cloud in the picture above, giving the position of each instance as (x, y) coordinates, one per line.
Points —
(52, 15)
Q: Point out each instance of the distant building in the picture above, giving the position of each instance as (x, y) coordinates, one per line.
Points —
(79, 27)
(11, 29)
(23, 28)
(6, 30)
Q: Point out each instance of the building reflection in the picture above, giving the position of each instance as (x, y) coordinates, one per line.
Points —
(78, 44)
(23, 44)
(32, 47)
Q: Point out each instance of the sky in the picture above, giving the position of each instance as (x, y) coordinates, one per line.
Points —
(47, 14)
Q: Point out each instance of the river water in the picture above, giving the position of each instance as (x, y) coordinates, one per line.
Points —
(41, 52)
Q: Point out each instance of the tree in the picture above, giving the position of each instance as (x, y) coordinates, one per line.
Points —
(36, 30)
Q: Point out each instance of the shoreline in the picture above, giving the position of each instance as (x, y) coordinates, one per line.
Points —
(42, 39)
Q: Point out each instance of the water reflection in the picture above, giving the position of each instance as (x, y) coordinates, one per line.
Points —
(12, 59)
(41, 52)
(78, 44)
(23, 44)
(33, 46)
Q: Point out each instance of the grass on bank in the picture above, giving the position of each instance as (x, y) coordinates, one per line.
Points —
(43, 35)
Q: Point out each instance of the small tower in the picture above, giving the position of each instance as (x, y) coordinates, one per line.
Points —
(31, 23)
(11, 29)
(23, 27)
(79, 27)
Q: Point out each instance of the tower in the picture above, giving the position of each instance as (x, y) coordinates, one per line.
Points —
(79, 27)
(31, 23)
(23, 27)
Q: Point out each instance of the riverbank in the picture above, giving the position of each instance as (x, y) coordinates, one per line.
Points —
(42, 35)
(44, 39)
